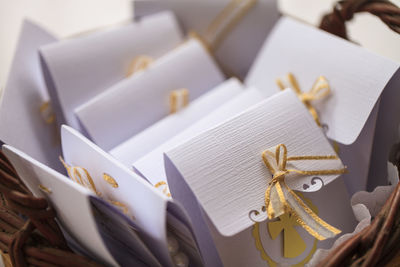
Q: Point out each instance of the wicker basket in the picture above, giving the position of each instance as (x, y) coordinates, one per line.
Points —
(29, 234)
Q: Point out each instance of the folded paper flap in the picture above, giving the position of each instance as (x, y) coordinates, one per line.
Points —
(81, 68)
(224, 167)
(70, 200)
(118, 185)
(188, 66)
(22, 124)
(356, 76)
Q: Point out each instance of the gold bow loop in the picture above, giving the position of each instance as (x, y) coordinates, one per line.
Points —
(139, 63)
(319, 90)
(280, 198)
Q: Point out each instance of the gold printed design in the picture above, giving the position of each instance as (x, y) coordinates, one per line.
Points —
(164, 186)
(319, 90)
(290, 240)
(178, 99)
(81, 176)
(280, 199)
(111, 181)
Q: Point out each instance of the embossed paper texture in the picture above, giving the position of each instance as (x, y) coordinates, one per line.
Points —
(151, 165)
(223, 169)
(356, 77)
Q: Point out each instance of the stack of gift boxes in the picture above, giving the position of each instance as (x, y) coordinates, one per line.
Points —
(201, 134)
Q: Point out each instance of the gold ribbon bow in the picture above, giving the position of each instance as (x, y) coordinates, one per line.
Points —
(139, 63)
(280, 199)
(178, 99)
(319, 90)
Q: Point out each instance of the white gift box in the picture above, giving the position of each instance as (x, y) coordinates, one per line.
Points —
(143, 99)
(357, 79)
(147, 140)
(23, 124)
(147, 212)
(240, 44)
(151, 165)
(220, 176)
(78, 69)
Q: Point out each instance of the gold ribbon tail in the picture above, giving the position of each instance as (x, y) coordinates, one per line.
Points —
(280, 198)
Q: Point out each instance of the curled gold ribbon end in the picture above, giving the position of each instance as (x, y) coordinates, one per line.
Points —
(280, 199)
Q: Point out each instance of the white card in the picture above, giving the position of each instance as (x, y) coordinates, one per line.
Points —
(147, 140)
(151, 166)
(74, 208)
(356, 77)
(220, 161)
(78, 69)
(241, 43)
(137, 102)
(223, 170)
(22, 124)
(146, 204)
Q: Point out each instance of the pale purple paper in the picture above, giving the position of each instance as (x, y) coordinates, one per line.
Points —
(240, 46)
(21, 123)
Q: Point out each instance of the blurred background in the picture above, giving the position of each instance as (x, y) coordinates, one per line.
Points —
(65, 18)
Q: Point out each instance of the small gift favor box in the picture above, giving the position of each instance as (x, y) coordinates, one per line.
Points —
(151, 165)
(147, 140)
(107, 208)
(226, 26)
(141, 100)
(356, 79)
(234, 176)
(26, 119)
(78, 69)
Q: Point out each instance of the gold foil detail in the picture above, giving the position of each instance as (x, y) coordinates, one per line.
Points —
(110, 180)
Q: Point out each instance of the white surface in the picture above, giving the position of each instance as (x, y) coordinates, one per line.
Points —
(151, 166)
(147, 204)
(217, 164)
(22, 124)
(356, 76)
(76, 70)
(139, 145)
(63, 18)
(141, 100)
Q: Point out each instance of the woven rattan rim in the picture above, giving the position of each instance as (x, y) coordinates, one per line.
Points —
(344, 11)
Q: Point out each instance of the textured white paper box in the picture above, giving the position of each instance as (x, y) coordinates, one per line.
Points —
(357, 78)
(221, 170)
(78, 69)
(151, 165)
(22, 125)
(240, 46)
(147, 140)
(137, 102)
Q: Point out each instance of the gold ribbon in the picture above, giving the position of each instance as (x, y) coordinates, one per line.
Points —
(319, 90)
(226, 20)
(178, 99)
(140, 63)
(280, 199)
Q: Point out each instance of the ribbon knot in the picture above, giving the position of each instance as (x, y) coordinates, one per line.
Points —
(281, 199)
(319, 90)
